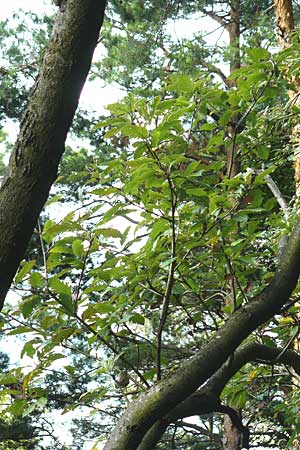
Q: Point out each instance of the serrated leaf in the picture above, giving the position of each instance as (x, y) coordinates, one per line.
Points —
(159, 227)
(137, 318)
(258, 53)
(181, 83)
(198, 192)
(62, 334)
(135, 131)
(37, 280)
(63, 291)
(104, 308)
(54, 199)
(17, 407)
(108, 232)
(24, 270)
(29, 349)
(8, 378)
(208, 127)
(29, 304)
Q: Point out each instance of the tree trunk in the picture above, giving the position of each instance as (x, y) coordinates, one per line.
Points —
(39, 147)
(232, 436)
(234, 35)
(285, 25)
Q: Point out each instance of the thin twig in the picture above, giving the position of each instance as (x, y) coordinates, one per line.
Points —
(43, 249)
(100, 338)
(242, 119)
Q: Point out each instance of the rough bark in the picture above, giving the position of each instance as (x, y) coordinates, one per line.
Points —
(284, 21)
(234, 35)
(39, 147)
(232, 435)
(285, 26)
(170, 392)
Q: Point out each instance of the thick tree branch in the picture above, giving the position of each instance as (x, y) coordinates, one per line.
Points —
(206, 400)
(34, 161)
(251, 352)
(166, 395)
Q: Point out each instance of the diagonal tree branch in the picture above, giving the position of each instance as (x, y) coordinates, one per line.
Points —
(219, 19)
(39, 147)
(206, 400)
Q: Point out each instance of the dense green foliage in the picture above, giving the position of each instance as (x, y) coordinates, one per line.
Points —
(164, 235)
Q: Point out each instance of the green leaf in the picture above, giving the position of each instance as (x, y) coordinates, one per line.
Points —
(263, 152)
(135, 131)
(208, 126)
(54, 199)
(63, 291)
(29, 349)
(37, 280)
(29, 304)
(198, 192)
(17, 407)
(258, 54)
(20, 330)
(108, 232)
(25, 269)
(111, 132)
(77, 247)
(181, 83)
(104, 308)
(8, 378)
(159, 227)
(62, 334)
(138, 319)
(216, 140)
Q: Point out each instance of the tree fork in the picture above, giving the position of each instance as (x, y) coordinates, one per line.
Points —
(40, 145)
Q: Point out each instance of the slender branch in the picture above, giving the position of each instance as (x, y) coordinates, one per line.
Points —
(170, 280)
(43, 249)
(172, 267)
(276, 192)
(80, 279)
(220, 20)
(241, 122)
(100, 338)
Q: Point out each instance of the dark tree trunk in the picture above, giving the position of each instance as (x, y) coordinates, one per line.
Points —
(234, 35)
(34, 161)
